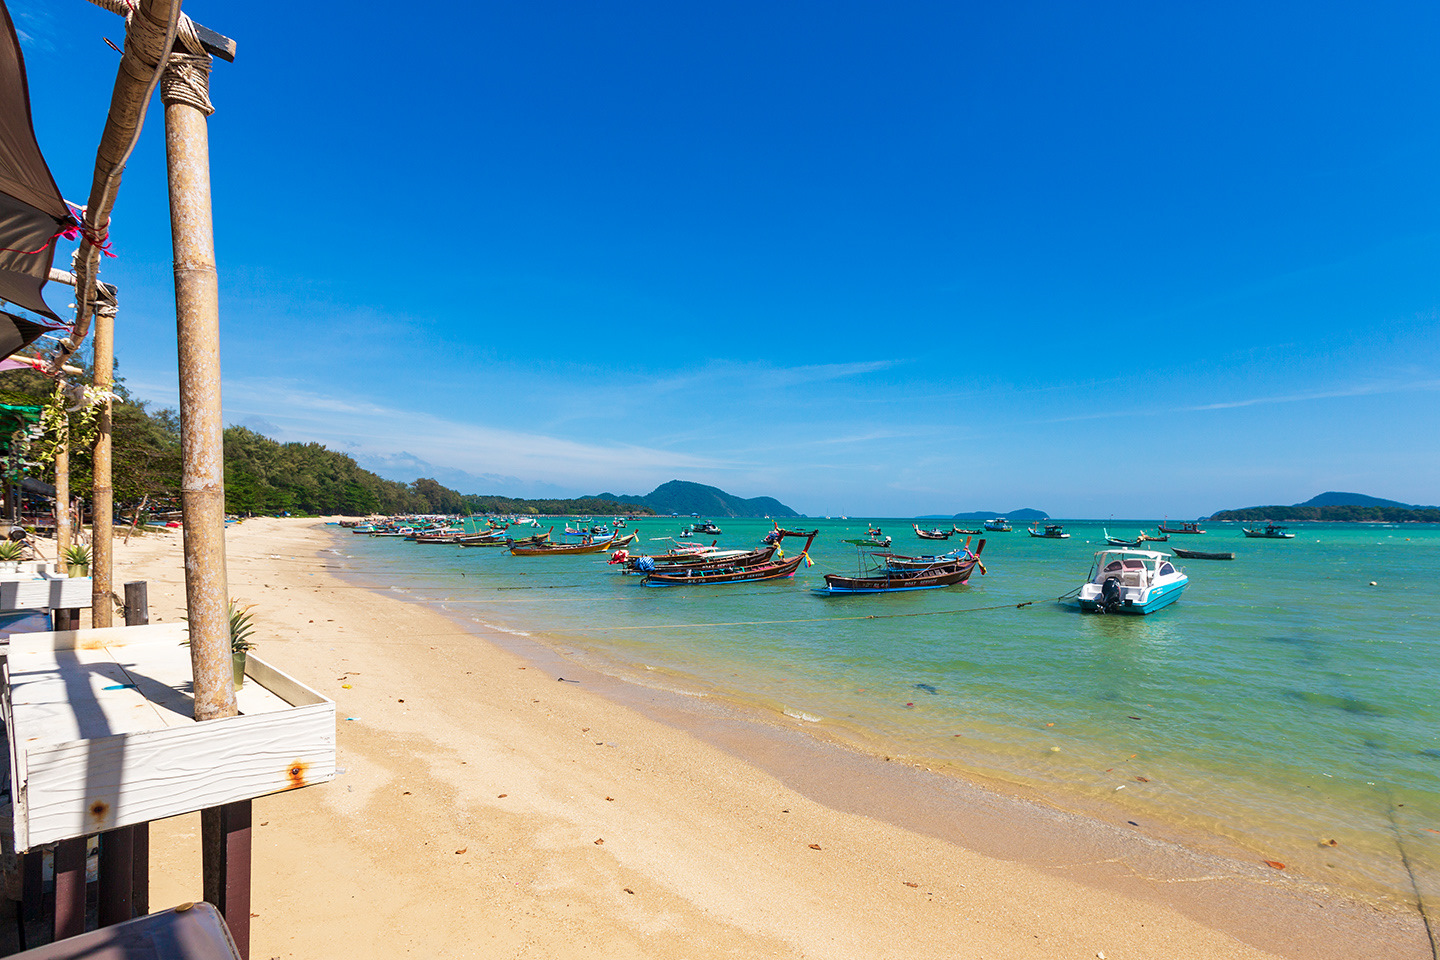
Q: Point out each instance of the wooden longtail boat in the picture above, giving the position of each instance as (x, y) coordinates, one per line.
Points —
(1272, 531)
(1117, 542)
(560, 549)
(966, 533)
(675, 563)
(898, 574)
(936, 534)
(1201, 554)
(1052, 531)
(1183, 528)
(771, 569)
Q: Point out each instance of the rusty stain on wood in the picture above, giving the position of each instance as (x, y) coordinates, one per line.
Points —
(296, 773)
(99, 810)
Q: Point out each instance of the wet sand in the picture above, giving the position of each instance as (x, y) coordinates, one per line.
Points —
(488, 808)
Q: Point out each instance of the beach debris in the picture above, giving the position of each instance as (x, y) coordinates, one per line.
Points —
(584, 729)
(927, 688)
(1274, 863)
(610, 798)
(563, 680)
(1121, 787)
(502, 796)
(405, 794)
(353, 719)
(599, 841)
(1330, 843)
(910, 704)
(461, 850)
(814, 846)
(1137, 718)
(909, 884)
(1143, 779)
(629, 891)
(347, 686)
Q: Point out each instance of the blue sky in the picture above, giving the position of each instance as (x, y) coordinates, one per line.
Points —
(1101, 259)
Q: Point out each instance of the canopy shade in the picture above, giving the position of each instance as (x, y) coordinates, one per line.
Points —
(32, 212)
(16, 333)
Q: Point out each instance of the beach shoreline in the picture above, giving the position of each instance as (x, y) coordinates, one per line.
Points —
(714, 832)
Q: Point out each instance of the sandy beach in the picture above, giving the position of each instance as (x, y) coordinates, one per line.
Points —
(488, 808)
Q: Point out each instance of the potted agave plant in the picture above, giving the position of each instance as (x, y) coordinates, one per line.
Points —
(10, 553)
(242, 626)
(77, 560)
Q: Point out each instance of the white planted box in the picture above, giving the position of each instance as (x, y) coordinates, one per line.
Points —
(102, 733)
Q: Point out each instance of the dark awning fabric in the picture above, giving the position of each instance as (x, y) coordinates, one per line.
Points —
(32, 211)
(17, 333)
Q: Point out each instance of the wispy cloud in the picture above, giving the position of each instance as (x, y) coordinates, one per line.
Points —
(1354, 390)
(381, 433)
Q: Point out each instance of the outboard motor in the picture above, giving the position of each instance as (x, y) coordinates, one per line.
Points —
(1109, 596)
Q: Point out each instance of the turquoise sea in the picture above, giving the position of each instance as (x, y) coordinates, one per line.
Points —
(1288, 700)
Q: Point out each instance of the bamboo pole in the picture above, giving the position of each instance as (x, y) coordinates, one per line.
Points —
(202, 482)
(102, 500)
(62, 480)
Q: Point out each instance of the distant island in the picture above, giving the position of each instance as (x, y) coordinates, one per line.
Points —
(1336, 507)
(1022, 514)
(683, 498)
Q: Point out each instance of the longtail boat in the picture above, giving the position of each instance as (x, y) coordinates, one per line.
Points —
(714, 560)
(1117, 542)
(895, 574)
(936, 534)
(1183, 528)
(1201, 554)
(775, 568)
(1052, 531)
(1272, 531)
(559, 549)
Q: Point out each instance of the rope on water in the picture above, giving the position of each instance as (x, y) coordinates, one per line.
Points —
(765, 623)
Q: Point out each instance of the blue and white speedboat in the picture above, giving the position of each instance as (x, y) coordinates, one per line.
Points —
(1131, 581)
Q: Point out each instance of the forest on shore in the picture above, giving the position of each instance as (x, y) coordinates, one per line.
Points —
(262, 476)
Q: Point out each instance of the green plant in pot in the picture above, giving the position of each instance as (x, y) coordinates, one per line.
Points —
(10, 553)
(77, 560)
(242, 627)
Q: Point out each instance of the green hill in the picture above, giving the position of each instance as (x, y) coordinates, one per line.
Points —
(684, 498)
(1022, 514)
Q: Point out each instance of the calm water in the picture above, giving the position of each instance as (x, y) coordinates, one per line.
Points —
(1284, 702)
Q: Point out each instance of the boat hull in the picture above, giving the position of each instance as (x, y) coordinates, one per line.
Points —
(1201, 554)
(1157, 598)
(697, 578)
(899, 581)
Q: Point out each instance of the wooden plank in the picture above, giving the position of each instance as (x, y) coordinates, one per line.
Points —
(45, 594)
(103, 735)
(89, 786)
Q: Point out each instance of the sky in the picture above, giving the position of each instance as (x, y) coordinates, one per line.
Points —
(1106, 259)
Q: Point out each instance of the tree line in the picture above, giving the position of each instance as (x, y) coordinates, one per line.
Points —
(262, 476)
(1332, 514)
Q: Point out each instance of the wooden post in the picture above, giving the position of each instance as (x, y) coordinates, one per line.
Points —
(202, 478)
(137, 603)
(69, 888)
(102, 503)
(62, 484)
(225, 831)
(117, 876)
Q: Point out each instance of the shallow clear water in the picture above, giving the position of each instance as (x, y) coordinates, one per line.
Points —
(1282, 703)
